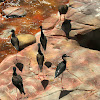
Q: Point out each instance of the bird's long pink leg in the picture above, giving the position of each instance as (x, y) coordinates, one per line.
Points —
(38, 74)
(16, 95)
(60, 17)
(16, 56)
(22, 96)
(61, 81)
(43, 74)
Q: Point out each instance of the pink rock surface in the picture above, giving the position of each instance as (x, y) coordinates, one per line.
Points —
(14, 11)
(49, 23)
(83, 67)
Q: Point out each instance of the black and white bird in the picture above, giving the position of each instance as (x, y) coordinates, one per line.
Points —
(62, 10)
(17, 81)
(61, 67)
(14, 40)
(40, 58)
(43, 39)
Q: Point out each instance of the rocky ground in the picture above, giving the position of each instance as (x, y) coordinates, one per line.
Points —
(81, 78)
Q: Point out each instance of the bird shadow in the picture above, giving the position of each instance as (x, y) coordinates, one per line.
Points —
(64, 93)
(45, 83)
(66, 27)
(20, 66)
(48, 64)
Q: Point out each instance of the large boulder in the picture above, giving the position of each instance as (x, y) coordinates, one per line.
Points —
(25, 40)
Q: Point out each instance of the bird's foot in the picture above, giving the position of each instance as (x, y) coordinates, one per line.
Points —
(39, 77)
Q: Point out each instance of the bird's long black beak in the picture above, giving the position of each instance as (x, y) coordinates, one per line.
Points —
(68, 56)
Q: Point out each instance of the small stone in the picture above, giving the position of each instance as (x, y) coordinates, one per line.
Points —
(13, 12)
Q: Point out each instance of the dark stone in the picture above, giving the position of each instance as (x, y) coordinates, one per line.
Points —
(48, 64)
(44, 83)
(20, 66)
(15, 16)
(64, 93)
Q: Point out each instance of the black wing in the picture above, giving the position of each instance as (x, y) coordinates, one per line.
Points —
(18, 82)
(43, 42)
(40, 60)
(15, 42)
(60, 68)
(12, 41)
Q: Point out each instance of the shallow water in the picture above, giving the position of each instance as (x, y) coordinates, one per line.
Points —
(37, 11)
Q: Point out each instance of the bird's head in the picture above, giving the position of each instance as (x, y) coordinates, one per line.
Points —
(12, 30)
(41, 27)
(64, 56)
(14, 69)
(13, 33)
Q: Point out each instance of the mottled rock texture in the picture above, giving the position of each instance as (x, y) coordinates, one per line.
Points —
(82, 74)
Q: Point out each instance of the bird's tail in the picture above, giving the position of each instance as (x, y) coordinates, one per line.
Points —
(45, 48)
(17, 47)
(41, 67)
(24, 92)
(21, 89)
